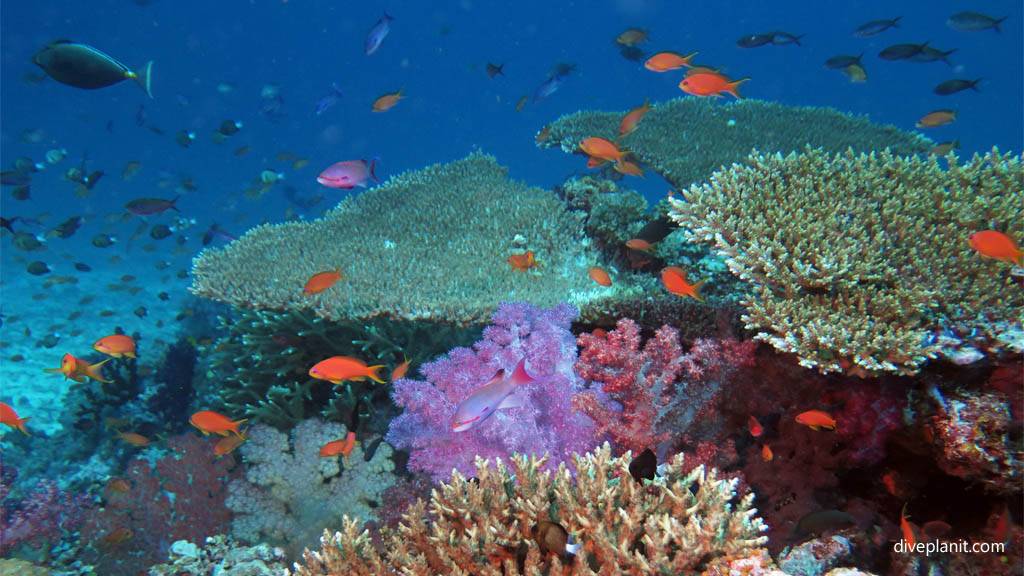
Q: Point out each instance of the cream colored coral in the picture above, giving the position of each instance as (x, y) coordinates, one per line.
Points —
(859, 262)
(483, 526)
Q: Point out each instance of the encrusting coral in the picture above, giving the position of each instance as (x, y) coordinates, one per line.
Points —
(687, 139)
(427, 245)
(860, 263)
(676, 524)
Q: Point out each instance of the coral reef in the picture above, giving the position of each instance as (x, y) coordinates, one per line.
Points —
(221, 556)
(544, 423)
(16, 567)
(687, 139)
(40, 519)
(178, 497)
(658, 391)
(259, 368)
(676, 524)
(427, 245)
(290, 494)
(858, 262)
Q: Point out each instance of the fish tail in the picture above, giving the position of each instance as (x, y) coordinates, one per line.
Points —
(995, 25)
(734, 87)
(375, 373)
(974, 85)
(21, 425)
(234, 427)
(373, 163)
(173, 200)
(95, 371)
(686, 59)
(696, 287)
(519, 375)
(143, 78)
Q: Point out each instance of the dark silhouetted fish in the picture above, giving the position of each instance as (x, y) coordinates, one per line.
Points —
(780, 38)
(37, 268)
(754, 40)
(974, 21)
(953, 86)
(147, 206)
(842, 61)
(14, 178)
(8, 223)
(494, 69)
(83, 66)
(67, 228)
(902, 51)
(929, 54)
(324, 104)
(644, 466)
(633, 53)
(876, 27)
(821, 521)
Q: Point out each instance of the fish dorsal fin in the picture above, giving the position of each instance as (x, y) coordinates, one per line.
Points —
(519, 375)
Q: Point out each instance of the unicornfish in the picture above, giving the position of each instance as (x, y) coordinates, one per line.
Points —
(83, 66)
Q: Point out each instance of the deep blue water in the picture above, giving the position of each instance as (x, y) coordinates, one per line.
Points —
(437, 53)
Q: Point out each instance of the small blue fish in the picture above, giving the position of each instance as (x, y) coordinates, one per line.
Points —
(493, 395)
(548, 88)
(378, 33)
(325, 103)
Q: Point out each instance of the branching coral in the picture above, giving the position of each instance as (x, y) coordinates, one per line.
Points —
(687, 139)
(426, 245)
(677, 524)
(857, 262)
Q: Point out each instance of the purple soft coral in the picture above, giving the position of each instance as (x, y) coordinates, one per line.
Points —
(544, 423)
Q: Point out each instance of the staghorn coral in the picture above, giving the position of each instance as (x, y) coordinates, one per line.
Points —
(676, 524)
(427, 245)
(290, 493)
(687, 139)
(858, 261)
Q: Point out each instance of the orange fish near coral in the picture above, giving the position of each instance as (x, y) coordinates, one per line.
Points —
(134, 439)
(711, 84)
(665, 61)
(628, 168)
(816, 420)
(209, 422)
(337, 369)
(936, 119)
(9, 417)
(754, 427)
(79, 370)
(343, 447)
(387, 101)
(674, 279)
(995, 244)
(601, 148)
(400, 370)
(906, 529)
(639, 244)
(600, 276)
(766, 453)
(633, 117)
(116, 345)
(228, 444)
(321, 281)
(523, 262)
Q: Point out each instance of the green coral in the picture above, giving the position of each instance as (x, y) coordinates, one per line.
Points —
(860, 263)
(687, 139)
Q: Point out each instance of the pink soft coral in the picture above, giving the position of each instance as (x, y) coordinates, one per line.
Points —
(544, 423)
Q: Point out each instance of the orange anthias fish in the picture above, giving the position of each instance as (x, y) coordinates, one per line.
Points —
(674, 279)
(601, 148)
(600, 276)
(628, 168)
(936, 119)
(209, 422)
(134, 439)
(337, 369)
(116, 345)
(906, 529)
(321, 281)
(994, 244)
(710, 84)
(228, 444)
(9, 417)
(343, 447)
(524, 261)
(665, 61)
(79, 370)
(387, 101)
(816, 420)
(633, 117)
(766, 453)
(400, 370)
(639, 244)
(754, 427)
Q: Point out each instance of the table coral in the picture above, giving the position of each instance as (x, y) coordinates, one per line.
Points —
(674, 525)
(858, 262)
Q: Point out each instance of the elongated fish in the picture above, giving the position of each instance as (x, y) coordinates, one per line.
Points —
(83, 66)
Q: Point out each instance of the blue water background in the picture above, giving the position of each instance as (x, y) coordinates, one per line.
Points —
(437, 52)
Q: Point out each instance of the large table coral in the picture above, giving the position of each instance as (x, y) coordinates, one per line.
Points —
(860, 263)
(428, 245)
(687, 139)
(677, 524)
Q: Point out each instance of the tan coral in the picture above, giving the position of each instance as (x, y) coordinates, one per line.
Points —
(672, 525)
(857, 262)
(427, 245)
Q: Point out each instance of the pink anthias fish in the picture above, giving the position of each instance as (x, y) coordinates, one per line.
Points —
(494, 395)
(348, 174)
